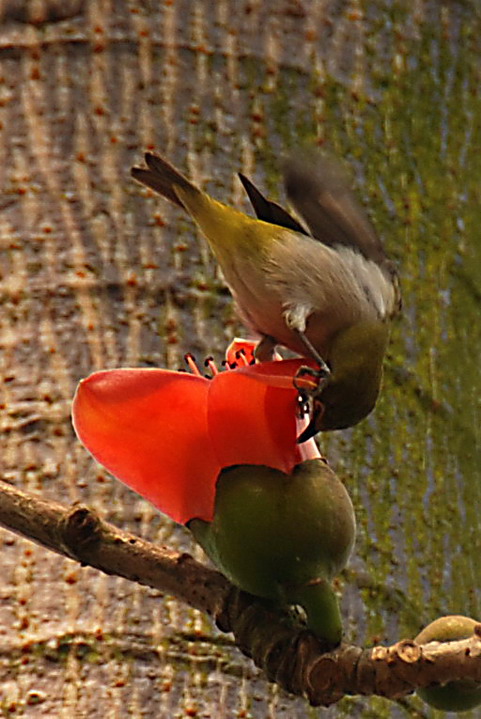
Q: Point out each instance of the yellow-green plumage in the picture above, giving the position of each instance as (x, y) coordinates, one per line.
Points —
(227, 229)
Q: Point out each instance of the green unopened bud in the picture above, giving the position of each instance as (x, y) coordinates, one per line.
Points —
(283, 537)
(457, 696)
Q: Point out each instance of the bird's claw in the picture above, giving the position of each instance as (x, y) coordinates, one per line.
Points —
(310, 381)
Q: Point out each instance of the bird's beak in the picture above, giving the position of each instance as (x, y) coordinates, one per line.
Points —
(312, 428)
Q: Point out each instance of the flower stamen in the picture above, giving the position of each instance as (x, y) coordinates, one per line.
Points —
(229, 365)
(192, 364)
(303, 406)
(211, 365)
(240, 355)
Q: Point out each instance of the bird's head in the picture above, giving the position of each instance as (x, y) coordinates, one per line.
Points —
(355, 361)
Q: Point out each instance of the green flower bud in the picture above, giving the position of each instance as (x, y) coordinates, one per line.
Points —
(458, 696)
(283, 536)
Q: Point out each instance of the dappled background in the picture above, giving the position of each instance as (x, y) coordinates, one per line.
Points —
(97, 273)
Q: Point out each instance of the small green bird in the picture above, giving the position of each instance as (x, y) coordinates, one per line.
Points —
(329, 294)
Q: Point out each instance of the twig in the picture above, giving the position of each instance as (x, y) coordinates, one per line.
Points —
(288, 654)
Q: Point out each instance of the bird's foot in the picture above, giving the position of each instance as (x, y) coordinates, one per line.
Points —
(311, 350)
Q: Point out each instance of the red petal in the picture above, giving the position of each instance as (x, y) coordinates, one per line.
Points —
(281, 374)
(149, 428)
(251, 421)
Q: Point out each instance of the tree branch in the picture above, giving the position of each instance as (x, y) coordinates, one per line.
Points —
(288, 654)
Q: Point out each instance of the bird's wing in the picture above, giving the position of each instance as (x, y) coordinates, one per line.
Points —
(320, 193)
(269, 211)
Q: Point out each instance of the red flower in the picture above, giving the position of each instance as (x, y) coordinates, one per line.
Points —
(168, 435)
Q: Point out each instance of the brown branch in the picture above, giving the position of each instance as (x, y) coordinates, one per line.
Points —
(288, 654)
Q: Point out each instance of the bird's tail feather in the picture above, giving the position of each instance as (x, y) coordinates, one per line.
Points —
(162, 177)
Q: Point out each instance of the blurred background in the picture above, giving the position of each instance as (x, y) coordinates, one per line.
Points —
(96, 273)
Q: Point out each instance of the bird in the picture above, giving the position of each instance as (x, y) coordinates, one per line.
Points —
(327, 291)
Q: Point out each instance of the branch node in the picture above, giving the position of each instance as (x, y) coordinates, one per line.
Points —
(379, 654)
(408, 651)
(80, 531)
